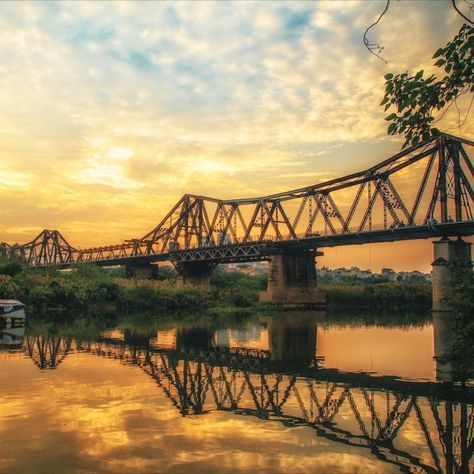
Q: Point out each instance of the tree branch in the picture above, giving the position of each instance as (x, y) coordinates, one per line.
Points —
(375, 48)
(461, 13)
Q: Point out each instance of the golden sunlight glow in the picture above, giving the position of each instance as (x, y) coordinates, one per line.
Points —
(111, 112)
(116, 418)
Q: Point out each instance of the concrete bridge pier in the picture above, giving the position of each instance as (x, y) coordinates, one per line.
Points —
(195, 273)
(141, 271)
(447, 254)
(292, 280)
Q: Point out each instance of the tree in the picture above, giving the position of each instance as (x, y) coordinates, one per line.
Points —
(414, 99)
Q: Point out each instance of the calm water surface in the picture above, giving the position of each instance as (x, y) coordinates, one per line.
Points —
(296, 392)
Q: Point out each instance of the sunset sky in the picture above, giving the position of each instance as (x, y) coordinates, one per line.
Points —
(111, 111)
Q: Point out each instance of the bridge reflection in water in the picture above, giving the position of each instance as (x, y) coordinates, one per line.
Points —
(273, 372)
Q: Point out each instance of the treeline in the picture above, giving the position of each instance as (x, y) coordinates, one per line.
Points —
(388, 296)
(88, 286)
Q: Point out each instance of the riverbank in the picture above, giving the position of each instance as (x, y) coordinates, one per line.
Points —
(89, 287)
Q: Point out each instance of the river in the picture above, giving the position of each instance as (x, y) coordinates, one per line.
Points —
(294, 392)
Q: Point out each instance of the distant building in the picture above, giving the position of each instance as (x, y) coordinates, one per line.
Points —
(329, 275)
(415, 275)
(389, 274)
(251, 268)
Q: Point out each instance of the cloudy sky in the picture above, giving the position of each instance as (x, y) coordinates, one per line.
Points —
(112, 110)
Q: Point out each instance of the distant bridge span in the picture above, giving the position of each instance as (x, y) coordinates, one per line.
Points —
(422, 192)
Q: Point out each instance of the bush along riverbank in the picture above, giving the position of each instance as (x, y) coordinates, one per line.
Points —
(385, 296)
(87, 287)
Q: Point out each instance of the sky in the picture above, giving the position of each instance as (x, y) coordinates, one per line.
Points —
(111, 111)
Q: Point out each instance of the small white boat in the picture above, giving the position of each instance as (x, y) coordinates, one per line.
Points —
(12, 311)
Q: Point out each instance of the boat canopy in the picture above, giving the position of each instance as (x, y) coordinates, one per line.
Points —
(9, 306)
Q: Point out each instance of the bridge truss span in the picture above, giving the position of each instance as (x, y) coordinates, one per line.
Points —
(424, 191)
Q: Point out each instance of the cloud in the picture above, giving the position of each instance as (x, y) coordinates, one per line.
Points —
(130, 105)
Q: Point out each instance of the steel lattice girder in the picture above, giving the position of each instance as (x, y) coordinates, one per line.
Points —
(379, 201)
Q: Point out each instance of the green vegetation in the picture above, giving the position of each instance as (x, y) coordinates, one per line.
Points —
(10, 268)
(414, 99)
(237, 288)
(150, 295)
(461, 352)
(87, 288)
(392, 296)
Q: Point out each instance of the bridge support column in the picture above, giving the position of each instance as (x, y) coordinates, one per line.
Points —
(292, 280)
(195, 273)
(443, 336)
(446, 254)
(141, 271)
(292, 335)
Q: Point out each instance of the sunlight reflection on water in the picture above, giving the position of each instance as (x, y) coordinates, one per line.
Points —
(260, 395)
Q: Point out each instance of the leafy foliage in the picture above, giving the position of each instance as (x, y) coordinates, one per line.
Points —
(11, 268)
(461, 352)
(412, 100)
(89, 288)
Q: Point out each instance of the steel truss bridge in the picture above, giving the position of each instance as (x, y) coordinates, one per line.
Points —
(422, 192)
(440, 429)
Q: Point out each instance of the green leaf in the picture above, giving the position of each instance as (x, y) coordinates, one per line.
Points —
(440, 62)
(391, 117)
(388, 76)
(438, 53)
(391, 129)
(419, 74)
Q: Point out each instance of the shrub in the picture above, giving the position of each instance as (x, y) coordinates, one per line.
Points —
(11, 268)
(8, 288)
(395, 295)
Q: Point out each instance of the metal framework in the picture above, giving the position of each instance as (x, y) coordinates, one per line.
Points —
(424, 191)
(246, 383)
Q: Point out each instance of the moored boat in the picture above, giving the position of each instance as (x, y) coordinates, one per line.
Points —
(12, 311)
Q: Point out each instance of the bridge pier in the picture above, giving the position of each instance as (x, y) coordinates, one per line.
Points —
(292, 280)
(193, 338)
(141, 270)
(443, 337)
(446, 254)
(195, 273)
(292, 335)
